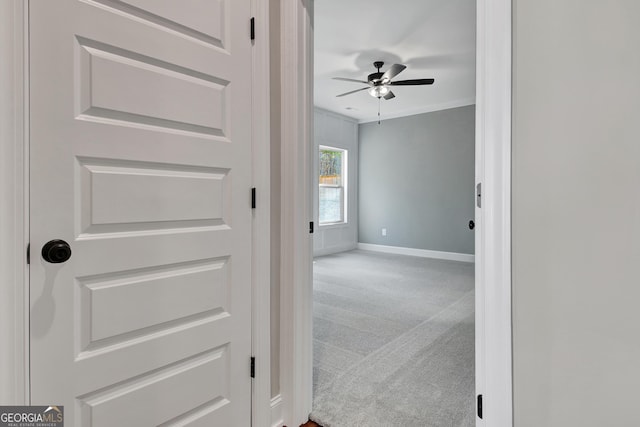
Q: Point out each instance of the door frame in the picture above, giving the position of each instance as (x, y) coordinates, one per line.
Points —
(14, 209)
(493, 231)
(14, 185)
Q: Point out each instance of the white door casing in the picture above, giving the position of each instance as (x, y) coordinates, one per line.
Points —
(14, 233)
(493, 218)
(141, 160)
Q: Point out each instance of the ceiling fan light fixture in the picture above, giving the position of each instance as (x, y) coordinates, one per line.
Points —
(380, 83)
(378, 91)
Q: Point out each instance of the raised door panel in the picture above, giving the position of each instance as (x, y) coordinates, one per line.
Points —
(166, 396)
(208, 27)
(125, 85)
(121, 195)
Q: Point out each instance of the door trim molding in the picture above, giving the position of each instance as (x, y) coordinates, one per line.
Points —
(296, 38)
(261, 217)
(493, 234)
(276, 412)
(14, 185)
(493, 239)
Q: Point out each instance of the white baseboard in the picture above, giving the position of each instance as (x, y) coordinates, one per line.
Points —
(276, 412)
(424, 253)
(335, 249)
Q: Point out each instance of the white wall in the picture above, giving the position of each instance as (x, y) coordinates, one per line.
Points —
(337, 131)
(576, 213)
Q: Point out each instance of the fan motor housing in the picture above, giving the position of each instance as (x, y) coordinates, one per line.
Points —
(375, 77)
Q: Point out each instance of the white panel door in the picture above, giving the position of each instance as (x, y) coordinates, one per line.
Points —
(140, 160)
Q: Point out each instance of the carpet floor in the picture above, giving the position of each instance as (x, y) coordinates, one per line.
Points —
(393, 341)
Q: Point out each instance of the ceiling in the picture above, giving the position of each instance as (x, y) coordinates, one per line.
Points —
(433, 38)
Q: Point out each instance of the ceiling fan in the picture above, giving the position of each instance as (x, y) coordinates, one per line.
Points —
(379, 83)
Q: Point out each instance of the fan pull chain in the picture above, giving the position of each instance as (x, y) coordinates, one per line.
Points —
(378, 110)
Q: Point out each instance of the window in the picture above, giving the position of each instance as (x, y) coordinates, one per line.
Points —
(333, 173)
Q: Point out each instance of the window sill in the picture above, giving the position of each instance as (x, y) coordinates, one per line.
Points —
(333, 225)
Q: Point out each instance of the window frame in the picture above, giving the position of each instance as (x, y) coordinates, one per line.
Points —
(343, 187)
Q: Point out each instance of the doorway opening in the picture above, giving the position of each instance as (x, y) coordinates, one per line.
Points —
(393, 274)
(492, 221)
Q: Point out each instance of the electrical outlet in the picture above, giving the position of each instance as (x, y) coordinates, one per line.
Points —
(384, 231)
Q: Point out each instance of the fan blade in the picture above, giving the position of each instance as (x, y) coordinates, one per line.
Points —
(389, 96)
(393, 71)
(353, 91)
(349, 80)
(412, 82)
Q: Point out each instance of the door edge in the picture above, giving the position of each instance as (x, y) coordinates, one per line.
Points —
(261, 216)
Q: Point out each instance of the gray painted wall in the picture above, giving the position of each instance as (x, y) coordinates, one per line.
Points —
(576, 213)
(416, 179)
(338, 131)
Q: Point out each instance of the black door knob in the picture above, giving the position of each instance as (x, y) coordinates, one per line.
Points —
(56, 251)
(472, 225)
